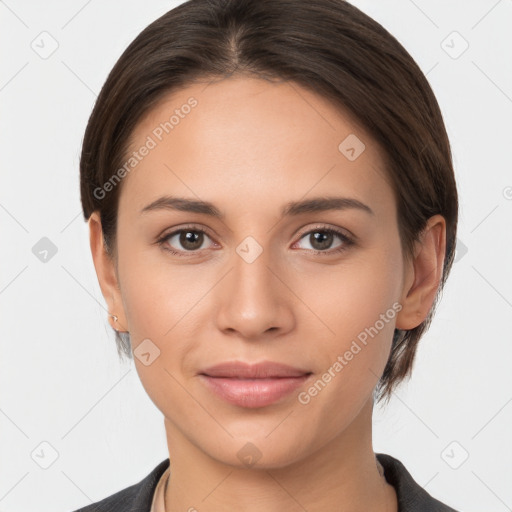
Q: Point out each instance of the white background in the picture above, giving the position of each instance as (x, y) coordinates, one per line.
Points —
(61, 380)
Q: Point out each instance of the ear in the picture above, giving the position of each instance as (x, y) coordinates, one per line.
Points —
(106, 273)
(423, 274)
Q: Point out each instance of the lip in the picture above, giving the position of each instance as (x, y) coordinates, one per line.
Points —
(262, 370)
(253, 385)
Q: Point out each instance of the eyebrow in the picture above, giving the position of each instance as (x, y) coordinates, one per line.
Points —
(294, 208)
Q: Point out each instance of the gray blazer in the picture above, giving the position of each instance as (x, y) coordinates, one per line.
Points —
(138, 497)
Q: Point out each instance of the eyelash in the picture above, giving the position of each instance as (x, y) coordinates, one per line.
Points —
(347, 241)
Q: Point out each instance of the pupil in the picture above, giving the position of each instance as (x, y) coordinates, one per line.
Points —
(323, 239)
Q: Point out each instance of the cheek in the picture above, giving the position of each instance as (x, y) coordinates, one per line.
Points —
(358, 306)
(352, 360)
(353, 296)
(166, 304)
(159, 304)
(157, 294)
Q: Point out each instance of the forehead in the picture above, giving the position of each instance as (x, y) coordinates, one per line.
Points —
(246, 140)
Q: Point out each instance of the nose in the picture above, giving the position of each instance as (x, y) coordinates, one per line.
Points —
(254, 301)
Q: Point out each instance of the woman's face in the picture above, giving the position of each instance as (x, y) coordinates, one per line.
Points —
(258, 285)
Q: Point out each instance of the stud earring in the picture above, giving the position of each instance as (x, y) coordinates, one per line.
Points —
(115, 320)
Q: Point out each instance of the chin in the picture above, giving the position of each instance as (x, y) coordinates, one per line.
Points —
(258, 451)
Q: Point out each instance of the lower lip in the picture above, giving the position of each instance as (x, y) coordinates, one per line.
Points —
(252, 393)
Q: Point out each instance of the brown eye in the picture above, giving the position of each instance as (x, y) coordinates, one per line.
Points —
(191, 240)
(321, 240)
(184, 240)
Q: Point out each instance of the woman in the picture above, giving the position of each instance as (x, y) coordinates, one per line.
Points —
(272, 211)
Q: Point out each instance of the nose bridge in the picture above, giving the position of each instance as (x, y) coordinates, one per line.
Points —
(251, 272)
(252, 300)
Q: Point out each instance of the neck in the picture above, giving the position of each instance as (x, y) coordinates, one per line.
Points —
(342, 475)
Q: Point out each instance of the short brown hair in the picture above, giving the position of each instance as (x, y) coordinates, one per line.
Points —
(327, 46)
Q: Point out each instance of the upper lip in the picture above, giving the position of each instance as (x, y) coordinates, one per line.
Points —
(262, 370)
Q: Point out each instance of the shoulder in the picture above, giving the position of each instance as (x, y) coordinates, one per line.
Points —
(135, 498)
(411, 496)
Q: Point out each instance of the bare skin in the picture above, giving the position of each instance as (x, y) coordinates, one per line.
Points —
(250, 147)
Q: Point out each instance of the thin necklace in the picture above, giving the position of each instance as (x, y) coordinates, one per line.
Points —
(165, 490)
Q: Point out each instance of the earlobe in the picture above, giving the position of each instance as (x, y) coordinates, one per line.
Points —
(423, 274)
(106, 272)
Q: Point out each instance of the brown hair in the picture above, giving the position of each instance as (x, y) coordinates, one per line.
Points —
(327, 46)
